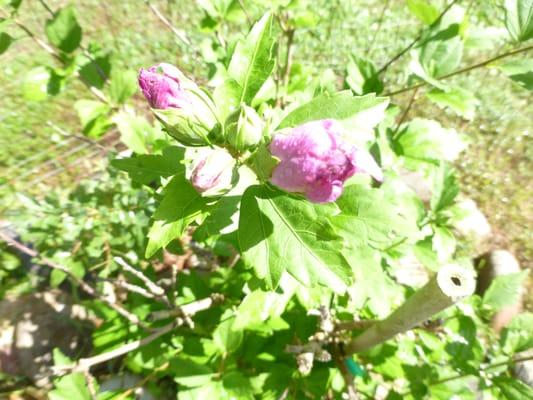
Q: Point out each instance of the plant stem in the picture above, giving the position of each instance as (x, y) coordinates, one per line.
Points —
(463, 70)
(415, 40)
(180, 35)
(449, 285)
(485, 368)
(378, 29)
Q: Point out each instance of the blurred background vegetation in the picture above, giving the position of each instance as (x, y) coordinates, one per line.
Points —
(42, 144)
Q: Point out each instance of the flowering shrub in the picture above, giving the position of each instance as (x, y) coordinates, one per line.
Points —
(319, 270)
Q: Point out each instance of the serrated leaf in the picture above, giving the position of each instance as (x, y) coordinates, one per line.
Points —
(441, 53)
(147, 168)
(504, 290)
(258, 307)
(70, 387)
(372, 217)
(362, 76)
(189, 373)
(279, 233)
(427, 140)
(123, 85)
(512, 388)
(225, 337)
(5, 41)
(181, 205)
(519, 19)
(356, 113)
(39, 83)
(63, 30)
(424, 11)
(462, 101)
(445, 188)
(135, 131)
(520, 71)
(253, 60)
(93, 116)
(517, 336)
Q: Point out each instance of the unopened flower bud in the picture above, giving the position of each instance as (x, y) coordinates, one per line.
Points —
(244, 128)
(214, 173)
(186, 112)
(316, 160)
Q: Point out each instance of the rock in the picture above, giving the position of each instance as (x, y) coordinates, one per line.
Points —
(32, 325)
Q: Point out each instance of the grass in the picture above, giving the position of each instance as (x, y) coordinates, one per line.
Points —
(495, 170)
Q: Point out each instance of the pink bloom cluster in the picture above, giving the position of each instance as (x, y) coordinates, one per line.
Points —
(161, 86)
(315, 160)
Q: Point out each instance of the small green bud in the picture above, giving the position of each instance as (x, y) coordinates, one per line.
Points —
(192, 125)
(244, 128)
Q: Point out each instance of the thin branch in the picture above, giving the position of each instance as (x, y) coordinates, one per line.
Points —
(187, 309)
(85, 364)
(415, 40)
(463, 70)
(82, 284)
(248, 19)
(179, 34)
(155, 289)
(483, 368)
(406, 111)
(378, 29)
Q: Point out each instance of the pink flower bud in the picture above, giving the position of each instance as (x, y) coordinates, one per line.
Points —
(214, 173)
(315, 160)
(162, 87)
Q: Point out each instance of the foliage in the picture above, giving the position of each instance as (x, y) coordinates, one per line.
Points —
(277, 256)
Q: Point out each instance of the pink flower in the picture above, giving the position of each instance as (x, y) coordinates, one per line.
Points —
(214, 172)
(315, 160)
(162, 86)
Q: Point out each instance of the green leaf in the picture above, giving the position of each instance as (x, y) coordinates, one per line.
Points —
(147, 168)
(512, 388)
(445, 188)
(181, 205)
(353, 112)
(70, 387)
(123, 85)
(373, 217)
(14, 4)
(362, 76)
(504, 290)
(279, 233)
(226, 97)
(238, 386)
(63, 30)
(518, 335)
(189, 373)
(135, 131)
(427, 140)
(258, 307)
(253, 60)
(442, 52)
(39, 83)
(5, 41)
(93, 116)
(460, 100)
(520, 71)
(424, 11)
(225, 337)
(519, 19)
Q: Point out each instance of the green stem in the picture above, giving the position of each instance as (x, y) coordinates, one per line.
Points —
(463, 70)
